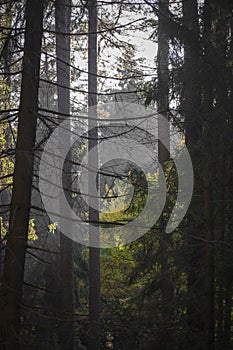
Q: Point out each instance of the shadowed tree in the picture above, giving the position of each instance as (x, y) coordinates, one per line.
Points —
(12, 282)
(67, 329)
(191, 99)
(94, 253)
(164, 156)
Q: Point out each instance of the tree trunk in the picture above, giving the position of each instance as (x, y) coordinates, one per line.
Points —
(209, 317)
(227, 277)
(94, 253)
(221, 237)
(191, 102)
(12, 284)
(164, 155)
(222, 28)
(67, 329)
(163, 81)
(209, 262)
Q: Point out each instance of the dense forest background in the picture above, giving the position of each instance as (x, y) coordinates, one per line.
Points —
(164, 290)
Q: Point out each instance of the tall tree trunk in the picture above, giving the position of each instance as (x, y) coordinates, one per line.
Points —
(94, 253)
(163, 81)
(222, 29)
(164, 155)
(220, 238)
(193, 128)
(209, 317)
(67, 330)
(228, 280)
(209, 261)
(12, 284)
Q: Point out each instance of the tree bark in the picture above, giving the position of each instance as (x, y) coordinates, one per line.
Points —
(167, 287)
(209, 317)
(163, 81)
(94, 253)
(222, 29)
(12, 284)
(191, 101)
(67, 329)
